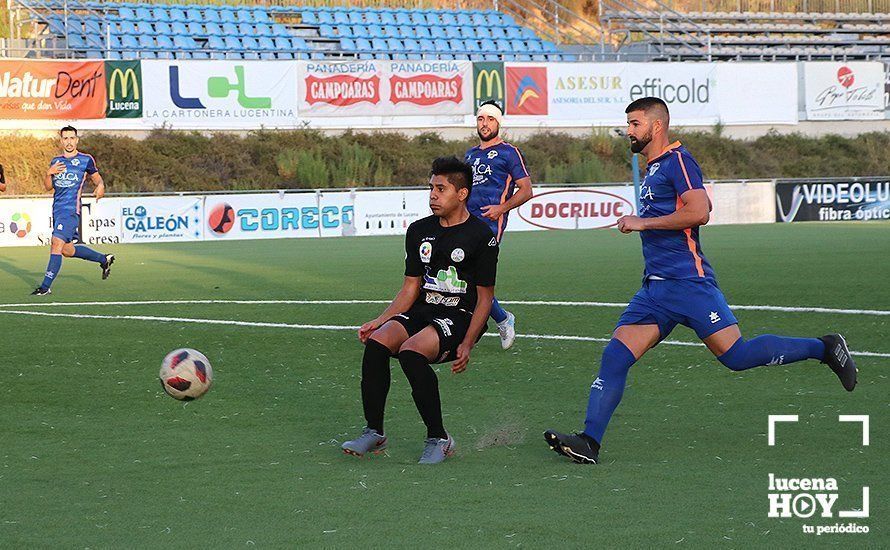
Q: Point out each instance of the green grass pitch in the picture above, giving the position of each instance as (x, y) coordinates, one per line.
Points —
(93, 454)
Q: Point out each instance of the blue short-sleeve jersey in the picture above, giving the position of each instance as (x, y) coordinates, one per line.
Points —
(68, 186)
(671, 254)
(495, 171)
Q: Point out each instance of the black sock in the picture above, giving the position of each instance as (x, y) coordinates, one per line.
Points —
(424, 390)
(375, 383)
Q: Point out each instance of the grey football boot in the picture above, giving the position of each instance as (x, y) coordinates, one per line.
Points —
(436, 450)
(369, 442)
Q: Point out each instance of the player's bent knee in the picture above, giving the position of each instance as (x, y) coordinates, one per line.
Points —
(736, 358)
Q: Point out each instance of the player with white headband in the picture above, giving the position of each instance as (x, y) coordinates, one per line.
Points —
(500, 183)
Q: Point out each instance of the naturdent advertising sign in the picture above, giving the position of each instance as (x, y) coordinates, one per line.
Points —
(52, 89)
(124, 89)
(220, 94)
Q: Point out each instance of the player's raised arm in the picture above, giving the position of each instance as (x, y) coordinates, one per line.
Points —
(484, 295)
(407, 295)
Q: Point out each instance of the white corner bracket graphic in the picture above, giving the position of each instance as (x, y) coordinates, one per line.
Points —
(857, 418)
(863, 513)
(771, 431)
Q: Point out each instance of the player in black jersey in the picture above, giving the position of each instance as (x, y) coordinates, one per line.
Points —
(438, 315)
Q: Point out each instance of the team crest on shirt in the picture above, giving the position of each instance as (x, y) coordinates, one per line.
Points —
(457, 255)
(492, 154)
(75, 162)
(654, 168)
(426, 252)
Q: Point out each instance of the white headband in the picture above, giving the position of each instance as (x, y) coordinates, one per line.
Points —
(490, 110)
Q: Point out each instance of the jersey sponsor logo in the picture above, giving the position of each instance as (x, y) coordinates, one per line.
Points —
(481, 171)
(457, 255)
(446, 280)
(426, 252)
(714, 317)
(437, 299)
(493, 242)
(491, 154)
(75, 161)
(654, 168)
(342, 90)
(426, 89)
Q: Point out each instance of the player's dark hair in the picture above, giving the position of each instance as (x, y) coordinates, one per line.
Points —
(68, 129)
(495, 103)
(647, 104)
(457, 172)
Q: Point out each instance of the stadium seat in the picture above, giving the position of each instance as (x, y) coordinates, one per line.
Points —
(160, 14)
(196, 29)
(326, 31)
(284, 55)
(299, 44)
(452, 32)
(147, 42)
(487, 45)
(359, 31)
(211, 16)
(263, 29)
(279, 30)
(194, 14)
(114, 55)
(213, 29)
(129, 42)
(518, 46)
(177, 14)
(325, 18)
(549, 46)
(309, 18)
(481, 20)
(395, 45)
(464, 18)
(421, 32)
(534, 46)
(379, 45)
(261, 17)
(114, 42)
(355, 18)
(387, 17)
(162, 28)
(244, 16)
(178, 28)
(372, 17)
(447, 19)
(442, 45)
(427, 46)
(164, 42)
(390, 31)
(528, 34)
(437, 32)
(375, 31)
(144, 27)
(403, 18)
(503, 45)
(126, 14)
(230, 29)
(144, 14)
(363, 44)
(513, 33)
(406, 31)
(226, 16)
(251, 47)
(282, 43)
(76, 42)
(468, 32)
(233, 48)
(347, 45)
(245, 29)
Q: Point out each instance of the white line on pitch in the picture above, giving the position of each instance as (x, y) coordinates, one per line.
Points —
(787, 309)
(332, 327)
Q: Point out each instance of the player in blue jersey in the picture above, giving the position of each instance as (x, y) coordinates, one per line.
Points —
(66, 177)
(679, 287)
(2, 180)
(500, 183)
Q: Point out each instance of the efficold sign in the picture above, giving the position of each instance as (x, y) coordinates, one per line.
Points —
(220, 94)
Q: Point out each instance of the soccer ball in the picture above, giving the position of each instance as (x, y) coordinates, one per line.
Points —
(186, 374)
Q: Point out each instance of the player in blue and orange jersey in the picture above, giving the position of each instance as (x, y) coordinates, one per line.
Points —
(500, 183)
(66, 177)
(679, 287)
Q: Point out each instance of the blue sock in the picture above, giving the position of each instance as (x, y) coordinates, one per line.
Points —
(771, 350)
(498, 313)
(85, 253)
(52, 270)
(607, 389)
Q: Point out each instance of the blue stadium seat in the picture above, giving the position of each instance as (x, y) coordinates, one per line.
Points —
(261, 17)
(282, 43)
(147, 42)
(251, 47)
(503, 45)
(534, 46)
(144, 14)
(355, 17)
(279, 30)
(341, 18)
(379, 45)
(183, 43)
(363, 44)
(129, 42)
(113, 55)
(427, 45)
(211, 16)
(226, 16)
(309, 17)
(456, 45)
(438, 32)
(395, 45)
(144, 27)
(347, 45)
(160, 14)
(162, 28)
(233, 48)
(194, 14)
(481, 20)
(421, 32)
(554, 57)
(387, 17)
(463, 18)
(263, 29)
(325, 18)
(549, 46)
(514, 33)
(177, 14)
(244, 16)
(94, 54)
(390, 31)
(126, 14)
(300, 44)
(359, 31)
(447, 19)
(468, 32)
(197, 29)
(375, 31)
(326, 31)
(230, 29)
(345, 31)
(403, 18)
(497, 32)
(452, 32)
(76, 42)
(146, 54)
(198, 55)
(245, 29)
(164, 42)
(178, 28)
(114, 42)
(93, 25)
(518, 46)
(284, 55)
(539, 57)
(372, 17)
(528, 34)
(507, 20)
(417, 18)
(406, 31)
(442, 45)
(218, 46)
(487, 45)
(412, 48)
(213, 29)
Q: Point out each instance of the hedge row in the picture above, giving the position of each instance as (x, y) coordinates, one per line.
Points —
(184, 161)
